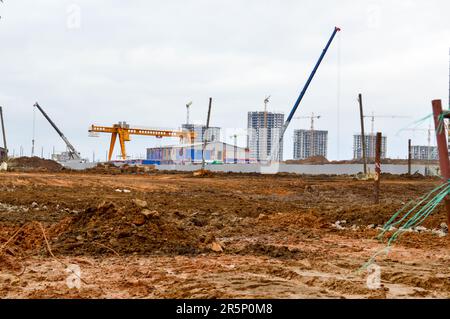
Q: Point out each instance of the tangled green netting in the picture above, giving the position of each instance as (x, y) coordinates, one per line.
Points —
(416, 213)
(415, 124)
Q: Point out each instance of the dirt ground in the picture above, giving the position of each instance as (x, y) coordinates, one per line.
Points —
(165, 235)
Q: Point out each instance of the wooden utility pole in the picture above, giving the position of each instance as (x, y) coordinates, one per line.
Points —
(441, 139)
(409, 156)
(3, 132)
(377, 169)
(235, 148)
(205, 136)
(363, 138)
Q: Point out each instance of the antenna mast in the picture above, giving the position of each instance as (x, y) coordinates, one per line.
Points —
(266, 101)
(187, 111)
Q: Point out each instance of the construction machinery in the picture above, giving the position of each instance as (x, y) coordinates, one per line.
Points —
(123, 131)
(305, 88)
(205, 139)
(311, 134)
(71, 151)
(203, 172)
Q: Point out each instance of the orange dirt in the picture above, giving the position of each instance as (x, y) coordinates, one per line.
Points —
(33, 163)
(159, 235)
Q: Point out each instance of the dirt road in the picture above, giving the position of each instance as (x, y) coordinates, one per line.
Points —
(173, 235)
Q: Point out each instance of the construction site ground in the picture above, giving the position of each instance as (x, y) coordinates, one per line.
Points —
(173, 235)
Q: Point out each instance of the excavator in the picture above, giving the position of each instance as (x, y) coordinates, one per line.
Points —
(72, 152)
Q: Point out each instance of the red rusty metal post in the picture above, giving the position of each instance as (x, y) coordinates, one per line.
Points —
(441, 140)
(377, 168)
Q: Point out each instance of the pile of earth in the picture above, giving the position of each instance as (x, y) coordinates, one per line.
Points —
(318, 160)
(111, 169)
(108, 228)
(33, 164)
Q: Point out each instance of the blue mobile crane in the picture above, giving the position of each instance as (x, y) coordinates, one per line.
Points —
(302, 93)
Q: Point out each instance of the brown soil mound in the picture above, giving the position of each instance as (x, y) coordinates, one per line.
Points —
(111, 169)
(33, 164)
(110, 229)
(310, 160)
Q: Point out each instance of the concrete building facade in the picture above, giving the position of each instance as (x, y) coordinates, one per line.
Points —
(217, 152)
(212, 134)
(262, 140)
(420, 152)
(370, 140)
(309, 143)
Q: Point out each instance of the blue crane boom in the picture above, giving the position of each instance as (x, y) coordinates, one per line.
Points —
(302, 93)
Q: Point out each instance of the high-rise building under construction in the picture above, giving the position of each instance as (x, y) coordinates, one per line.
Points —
(212, 134)
(308, 143)
(370, 141)
(264, 131)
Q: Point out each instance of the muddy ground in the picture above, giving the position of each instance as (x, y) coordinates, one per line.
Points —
(161, 235)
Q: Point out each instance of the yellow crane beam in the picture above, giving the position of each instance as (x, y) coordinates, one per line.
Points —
(124, 131)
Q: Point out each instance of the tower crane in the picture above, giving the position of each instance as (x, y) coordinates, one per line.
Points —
(73, 154)
(311, 134)
(372, 118)
(123, 130)
(372, 127)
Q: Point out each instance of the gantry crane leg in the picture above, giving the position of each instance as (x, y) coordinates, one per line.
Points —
(111, 146)
(124, 131)
(122, 140)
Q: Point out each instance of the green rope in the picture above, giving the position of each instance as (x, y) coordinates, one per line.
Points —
(417, 123)
(423, 208)
(391, 222)
(421, 215)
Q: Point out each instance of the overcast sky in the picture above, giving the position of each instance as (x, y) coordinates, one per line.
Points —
(100, 62)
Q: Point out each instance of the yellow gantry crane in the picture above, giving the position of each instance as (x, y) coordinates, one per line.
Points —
(123, 130)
